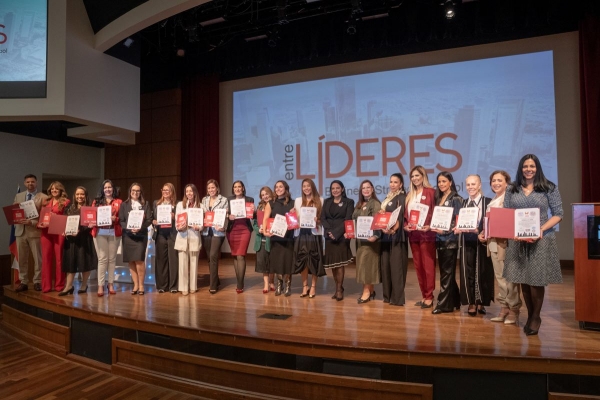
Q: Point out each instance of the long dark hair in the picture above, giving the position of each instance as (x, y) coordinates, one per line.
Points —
(100, 199)
(185, 200)
(73, 207)
(399, 176)
(141, 198)
(361, 198)
(438, 192)
(540, 182)
(243, 188)
(341, 185)
(287, 194)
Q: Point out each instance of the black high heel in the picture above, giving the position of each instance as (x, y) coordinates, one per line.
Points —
(279, 286)
(363, 301)
(81, 291)
(70, 291)
(472, 313)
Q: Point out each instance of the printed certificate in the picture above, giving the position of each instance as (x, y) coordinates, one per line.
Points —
(238, 208)
(442, 218)
(163, 215)
(195, 217)
(394, 217)
(280, 226)
(30, 209)
(423, 209)
(307, 217)
(527, 223)
(104, 216)
(363, 227)
(135, 219)
(220, 217)
(467, 218)
(72, 227)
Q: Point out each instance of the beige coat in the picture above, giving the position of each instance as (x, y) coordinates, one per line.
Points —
(29, 230)
(188, 240)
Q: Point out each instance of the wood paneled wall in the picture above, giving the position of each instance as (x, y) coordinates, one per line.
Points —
(156, 156)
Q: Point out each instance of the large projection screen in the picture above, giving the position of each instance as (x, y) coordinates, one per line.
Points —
(468, 110)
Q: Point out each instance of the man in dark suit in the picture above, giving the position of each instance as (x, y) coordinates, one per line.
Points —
(28, 237)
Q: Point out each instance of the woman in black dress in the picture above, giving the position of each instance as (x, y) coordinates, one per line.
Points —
(281, 258)
(336, 210)
(135, 241)
(394, 246)
(166, 267)
(446, 243)
(262, 244)
(79, 254)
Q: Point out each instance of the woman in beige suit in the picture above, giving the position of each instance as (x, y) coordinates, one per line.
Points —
(509, 294)
(187, 242)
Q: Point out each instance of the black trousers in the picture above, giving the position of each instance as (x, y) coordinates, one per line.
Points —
(394, 263)
(212, 245)
(449, 297)
(166, 268)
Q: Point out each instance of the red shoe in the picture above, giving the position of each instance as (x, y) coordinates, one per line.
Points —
(110, 291)
(265, 291)
(238, 291)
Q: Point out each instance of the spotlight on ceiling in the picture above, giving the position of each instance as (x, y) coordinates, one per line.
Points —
(449, 9)
(180, 52)
(351, 29)
(128, 42)
(212, 21)
(253, 38)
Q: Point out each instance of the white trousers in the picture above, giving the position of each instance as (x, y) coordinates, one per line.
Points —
(188, 271)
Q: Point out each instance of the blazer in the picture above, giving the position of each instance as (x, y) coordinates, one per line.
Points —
(124, 215)
(172, 230)
(427, 197)
(188, 239)
(259, 237)
(115, 206)
(29, 230)
(221, 202)
(484, 203)
(449, 240)
(336, 228)
(248, 220)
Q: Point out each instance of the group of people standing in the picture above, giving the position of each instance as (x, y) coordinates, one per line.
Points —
(520, 266)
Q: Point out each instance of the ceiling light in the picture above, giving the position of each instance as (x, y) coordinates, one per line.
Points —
(376, 16)
(259, 37)
(351, 29)
(449, 9)
(128, 42)
(212, 21)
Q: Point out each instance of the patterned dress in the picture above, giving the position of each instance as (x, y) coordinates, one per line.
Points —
(535, 264)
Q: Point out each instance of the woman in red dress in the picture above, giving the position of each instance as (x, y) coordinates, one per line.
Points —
(238, 234)
(52, 245)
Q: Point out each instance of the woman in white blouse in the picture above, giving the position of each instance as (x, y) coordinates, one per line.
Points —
(187, 242)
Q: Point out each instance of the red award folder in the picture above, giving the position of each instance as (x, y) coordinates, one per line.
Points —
(44, 220)
(349, 229)
(381, 221)
(58, 224)
(9, 213)
(501, 222)
(292, 220)
(88, 216)
(413, 218)
(181, 219)
(249, 210)
(270, 224)
(209, 217)
(18, 214)
(260, 217)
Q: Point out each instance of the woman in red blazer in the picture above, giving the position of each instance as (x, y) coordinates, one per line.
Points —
(422, 239)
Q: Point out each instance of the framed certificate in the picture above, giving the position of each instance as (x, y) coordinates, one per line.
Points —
(467, 219)
(163, 215)
(363, 227)
(135, 219)
(238, 208)
(307, 217)
(30, 209)
(72, 227)
(442, 218)
(394, 217)
(196, 217)
(280, 226)
(104, 216)
(221, 217)
(527, 223)
(423, 209)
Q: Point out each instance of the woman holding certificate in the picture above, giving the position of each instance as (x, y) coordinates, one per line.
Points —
(187, 242)
(394, 246)
(476, 271)
(281, 257)
(443, 221)
(135, 217)
(167, 265)
(52, 245)
(534, 263)
(509, 294)
(107, 237)
(213, 236)
(239, 230)
(79, 254)
(367, 242)
(420, 201)
(308, 242)
(337, 209)
(262, 243)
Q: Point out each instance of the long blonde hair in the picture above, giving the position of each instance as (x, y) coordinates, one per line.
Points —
(262, 204)
(413, 190)
(162, 196)
(63, 197)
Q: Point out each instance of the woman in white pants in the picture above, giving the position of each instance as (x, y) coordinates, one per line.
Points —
(187, 242)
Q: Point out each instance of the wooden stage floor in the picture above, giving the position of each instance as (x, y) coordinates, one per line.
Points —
(371, 332)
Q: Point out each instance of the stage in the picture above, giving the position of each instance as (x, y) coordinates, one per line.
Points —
(369, 344)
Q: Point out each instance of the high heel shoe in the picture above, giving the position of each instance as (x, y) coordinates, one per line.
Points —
(265, 291)
(501, 316)
(238, 291)
(512, 318)
(363, 301)
(312, 296)
(70, 291)
(110, 291)
(288, 288)
(372, 296)
(279, 286)
(472, 312)
(425, 305)
(481, 310)
(81, 291)
(304, 294)
(335, 296)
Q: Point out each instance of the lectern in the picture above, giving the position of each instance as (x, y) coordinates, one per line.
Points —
(586, 233)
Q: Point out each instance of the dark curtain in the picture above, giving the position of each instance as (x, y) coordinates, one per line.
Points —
(200, 131)
(589, 77)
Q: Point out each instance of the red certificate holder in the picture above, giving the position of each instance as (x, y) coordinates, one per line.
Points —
(58, 224)
(88, 216)
(44, 220)
(9, 213)
(349, 229)
(181, 219)
(292, 220)
(413, 218)
(249, 210)
(270, 224)
(381, 221)
(209, 217)
(501, 223)
(260, 217)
